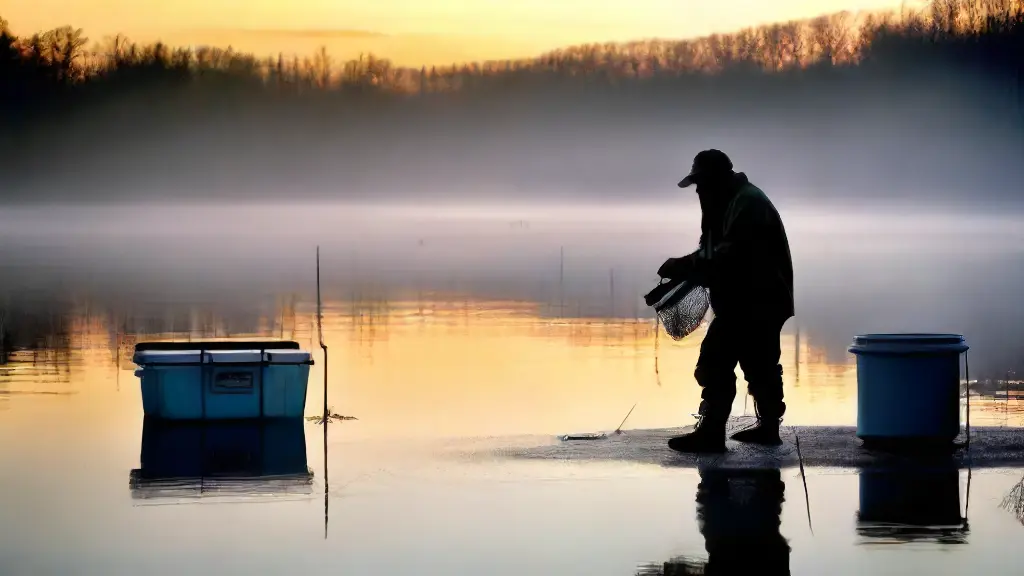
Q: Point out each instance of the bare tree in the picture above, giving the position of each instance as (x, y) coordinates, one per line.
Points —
(830, 35)
(945, 15)
(973, 15)
(748, 47)
(793, 44)
(685, 56)
(115, 50)
(774, 47)
(721, 49)
(296, 73)
(66, 50)
(3, 309)
(912, 22)
(996, 8)
(309, 76)
(320, 70)
(281, 78)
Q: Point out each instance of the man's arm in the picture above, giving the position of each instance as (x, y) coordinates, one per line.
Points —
(682, 267)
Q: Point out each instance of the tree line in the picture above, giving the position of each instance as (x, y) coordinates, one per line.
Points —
(50, 64)
(889, 87)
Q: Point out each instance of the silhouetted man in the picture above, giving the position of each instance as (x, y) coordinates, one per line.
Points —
(744, 260)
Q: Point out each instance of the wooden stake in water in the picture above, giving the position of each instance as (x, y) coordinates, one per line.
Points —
(320, 331)
(611, 292)
(561, 281)
(326, 416)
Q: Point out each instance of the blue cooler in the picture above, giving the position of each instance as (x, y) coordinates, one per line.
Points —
(222, 380)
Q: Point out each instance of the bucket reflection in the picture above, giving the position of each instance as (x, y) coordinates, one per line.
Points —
(221, 458)
(911, 504)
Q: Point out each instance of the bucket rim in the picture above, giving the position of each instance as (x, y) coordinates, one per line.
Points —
(909, 338)
(908, 342)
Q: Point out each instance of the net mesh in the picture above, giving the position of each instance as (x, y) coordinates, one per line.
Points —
(681, 308)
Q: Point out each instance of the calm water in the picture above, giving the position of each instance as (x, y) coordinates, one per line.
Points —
(415, 484)
(450, 338)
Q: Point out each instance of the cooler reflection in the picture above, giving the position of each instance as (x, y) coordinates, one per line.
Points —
(222, 458)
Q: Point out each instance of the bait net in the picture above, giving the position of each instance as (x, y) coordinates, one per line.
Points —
(681, 306)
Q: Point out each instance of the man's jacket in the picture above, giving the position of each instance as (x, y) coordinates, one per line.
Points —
(744, 257)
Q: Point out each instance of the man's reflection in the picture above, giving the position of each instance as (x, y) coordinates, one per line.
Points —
(739, 515)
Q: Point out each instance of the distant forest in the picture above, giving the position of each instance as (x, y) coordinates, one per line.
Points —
(833, 99)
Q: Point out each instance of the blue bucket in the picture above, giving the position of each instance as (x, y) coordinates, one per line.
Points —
(908, 387)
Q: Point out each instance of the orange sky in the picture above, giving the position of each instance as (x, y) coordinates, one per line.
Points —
(411, 32)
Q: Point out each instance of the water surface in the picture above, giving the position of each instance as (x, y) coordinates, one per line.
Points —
(416, 482)
(453, 335)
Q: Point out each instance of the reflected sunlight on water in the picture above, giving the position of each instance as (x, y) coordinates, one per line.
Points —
(443, 378)
(442, 368)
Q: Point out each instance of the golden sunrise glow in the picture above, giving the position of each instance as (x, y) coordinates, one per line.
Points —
(420, 370)
(412, 32)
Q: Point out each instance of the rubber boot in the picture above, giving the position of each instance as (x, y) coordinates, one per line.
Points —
(766, 431)
(708, 434)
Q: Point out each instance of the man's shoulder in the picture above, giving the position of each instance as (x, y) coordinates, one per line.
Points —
(752, 191)
(752, 203)
(750, 194)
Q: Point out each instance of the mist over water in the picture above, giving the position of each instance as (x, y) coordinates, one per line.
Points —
(856, 271)
(487, 232)
(148, 180)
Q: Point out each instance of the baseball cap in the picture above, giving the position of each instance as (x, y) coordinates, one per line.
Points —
(707, 162)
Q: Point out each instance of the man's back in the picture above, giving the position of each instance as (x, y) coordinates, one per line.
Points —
(756, 276)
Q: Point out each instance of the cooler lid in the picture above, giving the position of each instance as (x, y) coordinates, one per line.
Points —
(219, 345)
(150, 357)
(288, 357)
(254, 356)
(168, 357)
(233, 356)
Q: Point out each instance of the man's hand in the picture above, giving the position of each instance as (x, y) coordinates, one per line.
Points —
(699, 272)
(676, 268)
